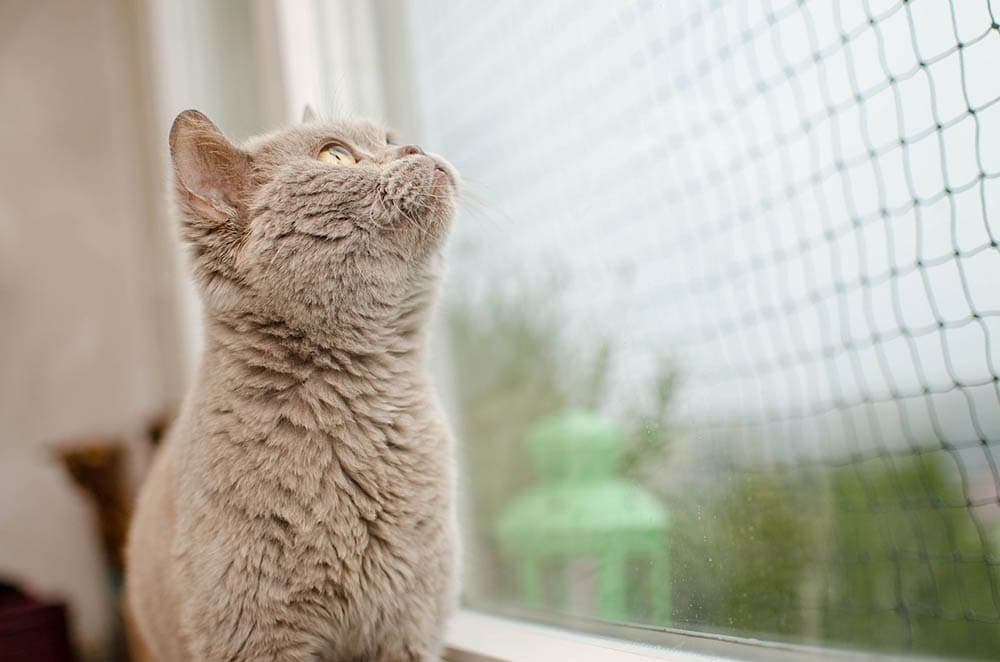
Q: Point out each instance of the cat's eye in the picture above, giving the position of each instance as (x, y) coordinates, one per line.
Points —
(334, 153)
(390, 140)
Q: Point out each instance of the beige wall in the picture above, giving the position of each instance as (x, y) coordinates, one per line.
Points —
(87, 318)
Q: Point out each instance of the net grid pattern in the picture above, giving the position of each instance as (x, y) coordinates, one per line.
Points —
(873, 322)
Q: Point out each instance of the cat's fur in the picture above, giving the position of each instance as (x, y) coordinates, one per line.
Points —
(302, 506)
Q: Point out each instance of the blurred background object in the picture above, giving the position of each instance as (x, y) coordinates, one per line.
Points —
(583, 511)
(32, 630)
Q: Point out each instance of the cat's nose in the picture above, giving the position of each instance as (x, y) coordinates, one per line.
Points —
(407, 150)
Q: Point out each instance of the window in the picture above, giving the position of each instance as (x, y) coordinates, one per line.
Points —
(722, 314)
(719, 335)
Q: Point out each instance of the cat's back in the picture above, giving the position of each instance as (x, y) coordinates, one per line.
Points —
(152, 604)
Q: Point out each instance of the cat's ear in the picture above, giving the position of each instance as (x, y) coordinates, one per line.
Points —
(212, 173)
(309, 115)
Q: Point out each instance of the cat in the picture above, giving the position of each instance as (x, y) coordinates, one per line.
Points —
(302, 505)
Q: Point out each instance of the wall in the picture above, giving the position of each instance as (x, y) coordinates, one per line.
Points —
(88, 335)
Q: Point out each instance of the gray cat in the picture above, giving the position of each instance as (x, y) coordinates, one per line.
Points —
(302, 507)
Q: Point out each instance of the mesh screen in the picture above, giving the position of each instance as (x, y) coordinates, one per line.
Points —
(761, 238)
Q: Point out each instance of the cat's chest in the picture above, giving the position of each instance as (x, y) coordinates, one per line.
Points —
(346, 507)
(316, 463)
(322, 468)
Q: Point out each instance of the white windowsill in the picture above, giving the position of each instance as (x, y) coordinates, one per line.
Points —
(477, 637)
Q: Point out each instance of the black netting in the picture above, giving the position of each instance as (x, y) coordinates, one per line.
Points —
(909, 499)
(797, 202)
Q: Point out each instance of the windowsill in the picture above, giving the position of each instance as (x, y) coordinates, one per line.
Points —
(477, 637)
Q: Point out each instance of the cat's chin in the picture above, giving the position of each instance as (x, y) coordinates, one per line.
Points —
(443, 178)
(445, 173)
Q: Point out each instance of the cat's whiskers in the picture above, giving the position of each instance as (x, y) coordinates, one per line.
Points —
(414, 223)
(478, 201)
(472, 202)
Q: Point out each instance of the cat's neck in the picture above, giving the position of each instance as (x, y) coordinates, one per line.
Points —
(265, 343)
(258, 372)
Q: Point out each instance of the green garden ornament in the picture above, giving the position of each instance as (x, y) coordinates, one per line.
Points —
(581, 508)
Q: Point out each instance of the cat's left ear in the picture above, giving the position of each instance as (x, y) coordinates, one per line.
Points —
(309, 115)
(212, 173)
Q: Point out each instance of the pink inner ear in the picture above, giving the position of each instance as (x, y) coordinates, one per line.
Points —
(209, 185)
(210, 169)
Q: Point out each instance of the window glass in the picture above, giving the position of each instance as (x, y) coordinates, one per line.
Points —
(723, 313)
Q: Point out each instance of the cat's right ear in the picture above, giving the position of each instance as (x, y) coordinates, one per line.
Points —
(212, 173)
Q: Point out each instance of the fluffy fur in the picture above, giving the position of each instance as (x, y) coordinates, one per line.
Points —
(302, 506)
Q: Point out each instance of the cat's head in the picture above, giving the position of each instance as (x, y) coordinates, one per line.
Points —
(325, 218)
